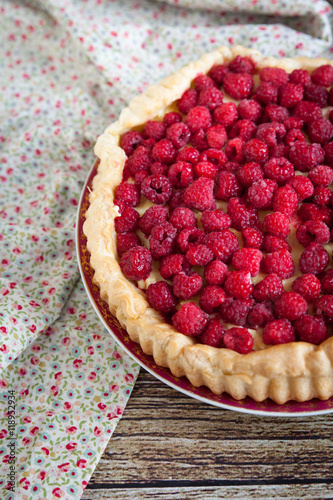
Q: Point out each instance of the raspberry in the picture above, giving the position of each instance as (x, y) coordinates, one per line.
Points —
(216, 156)
(261, 314)
(279, 150)
(302, 186)
(320, 131)
(235, 149)
(266, 93)
(138, 178)
(277, 224)
(250, 173)
(202, 82)
(190, 155)
(270, 288)
(308, 286)
(293, 122)
(290, 305)
(316, 94)
(324, 306)
(238, 284)
(188, 100)
(180, 174)
(156, 188)
(154, 215)
(130, 141)
(215, 272)
(314, 259)
(279, 170)
(186, 286)
(247, 259)
(280, 263)
(307, 111)
(179, 134)
(148, 143)
(198, 118)
(155, 130)
(173, 264)
(226, 114)
(199, 255)
(128, 194)
(205, 169)
(261, 193)
(216, 136)
(252, 237)
(215, 220)
(292, 136)
(321, 176)
(222, 243)
(218, 73)
(300, 76)
(279, 331)
(164, 151)
(199, 140)
(311, 329)
(245, 129)
(241, 65)
(211, 97)
(269, 133)
(126, 241)
(162, 239)
(242, 214)
(313, 230)
(232, 166)
(322, 196)
(214, 333)
(176, 199)
(128, 221)
(235, 311)
(274, 243)
(199, 195)
(158, 168)
(285, 201)
(323, 75)
(239, 340)
(327, 282)
(328, 148)
(256, 150)
(275, 113)
(189, 237)
(140, 160)
(136, 263)
(160, 297)
(249, 109)
(227, 186)
(290, 94)
(238, 85)
(183, 217)
(211, 298)
(171, 118)
(276, 76)
(309, 211)
(190, 319)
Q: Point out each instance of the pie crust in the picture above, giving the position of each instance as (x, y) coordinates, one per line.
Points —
(295, 371)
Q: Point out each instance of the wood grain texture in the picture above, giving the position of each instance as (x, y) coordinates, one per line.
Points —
(292, 492)
(170, 446)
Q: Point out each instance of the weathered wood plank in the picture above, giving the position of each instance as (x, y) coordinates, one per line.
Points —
(166, 436)
(290, 492)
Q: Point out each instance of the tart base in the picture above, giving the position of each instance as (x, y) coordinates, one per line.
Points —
(295, 371)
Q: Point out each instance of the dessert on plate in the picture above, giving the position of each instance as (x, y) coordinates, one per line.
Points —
(210, 224)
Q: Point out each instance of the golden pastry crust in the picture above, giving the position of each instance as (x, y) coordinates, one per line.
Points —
(295, 371)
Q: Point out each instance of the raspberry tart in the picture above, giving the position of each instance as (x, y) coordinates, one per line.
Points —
(210, 224)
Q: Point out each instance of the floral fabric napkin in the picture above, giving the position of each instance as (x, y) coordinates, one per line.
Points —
(67, 68)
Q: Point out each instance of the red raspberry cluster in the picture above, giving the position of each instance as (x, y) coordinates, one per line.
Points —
(208, 171)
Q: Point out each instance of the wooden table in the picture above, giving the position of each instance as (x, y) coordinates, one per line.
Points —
(169, 446)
